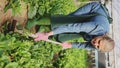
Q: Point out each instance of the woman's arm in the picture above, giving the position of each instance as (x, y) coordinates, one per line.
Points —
(80, 45)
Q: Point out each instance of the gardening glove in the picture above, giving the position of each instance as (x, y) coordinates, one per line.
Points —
(66, 45)
(41, 36)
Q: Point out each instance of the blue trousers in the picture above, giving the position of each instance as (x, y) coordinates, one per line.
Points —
(98, 25)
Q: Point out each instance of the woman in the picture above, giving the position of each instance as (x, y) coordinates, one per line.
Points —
(94, 30)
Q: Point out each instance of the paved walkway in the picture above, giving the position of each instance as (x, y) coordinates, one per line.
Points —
(113, 57)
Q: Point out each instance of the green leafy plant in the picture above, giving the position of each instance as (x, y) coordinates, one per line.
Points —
(19, 51)
(40, 8)
(63, 7)
(67, 60)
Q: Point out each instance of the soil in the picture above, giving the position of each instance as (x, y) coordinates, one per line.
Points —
(20, 17)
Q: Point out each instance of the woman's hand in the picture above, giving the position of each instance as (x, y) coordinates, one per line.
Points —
(41, 36)
(66, 45)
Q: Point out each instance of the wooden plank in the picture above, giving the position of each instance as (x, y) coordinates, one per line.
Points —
(110, 57)
(116, 29)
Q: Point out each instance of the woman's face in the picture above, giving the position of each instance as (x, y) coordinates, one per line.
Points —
(98, 42)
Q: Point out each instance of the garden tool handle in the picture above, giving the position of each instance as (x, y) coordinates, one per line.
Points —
(54, 42)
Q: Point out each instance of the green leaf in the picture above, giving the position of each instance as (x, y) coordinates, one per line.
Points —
(32, 11)
(41, 10)
(12, 65)
(42, 21)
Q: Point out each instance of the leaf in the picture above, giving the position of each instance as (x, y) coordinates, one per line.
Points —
(42, 21)
(12, 65)
(31, 23)
(5, 59)
(41, 10)
(32, 11)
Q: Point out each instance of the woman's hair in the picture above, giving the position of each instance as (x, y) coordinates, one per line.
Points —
(109, 44)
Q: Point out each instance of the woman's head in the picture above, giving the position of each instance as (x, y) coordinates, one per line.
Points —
(103, 43)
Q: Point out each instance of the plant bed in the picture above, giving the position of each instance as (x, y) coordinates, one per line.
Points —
(17, 51)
